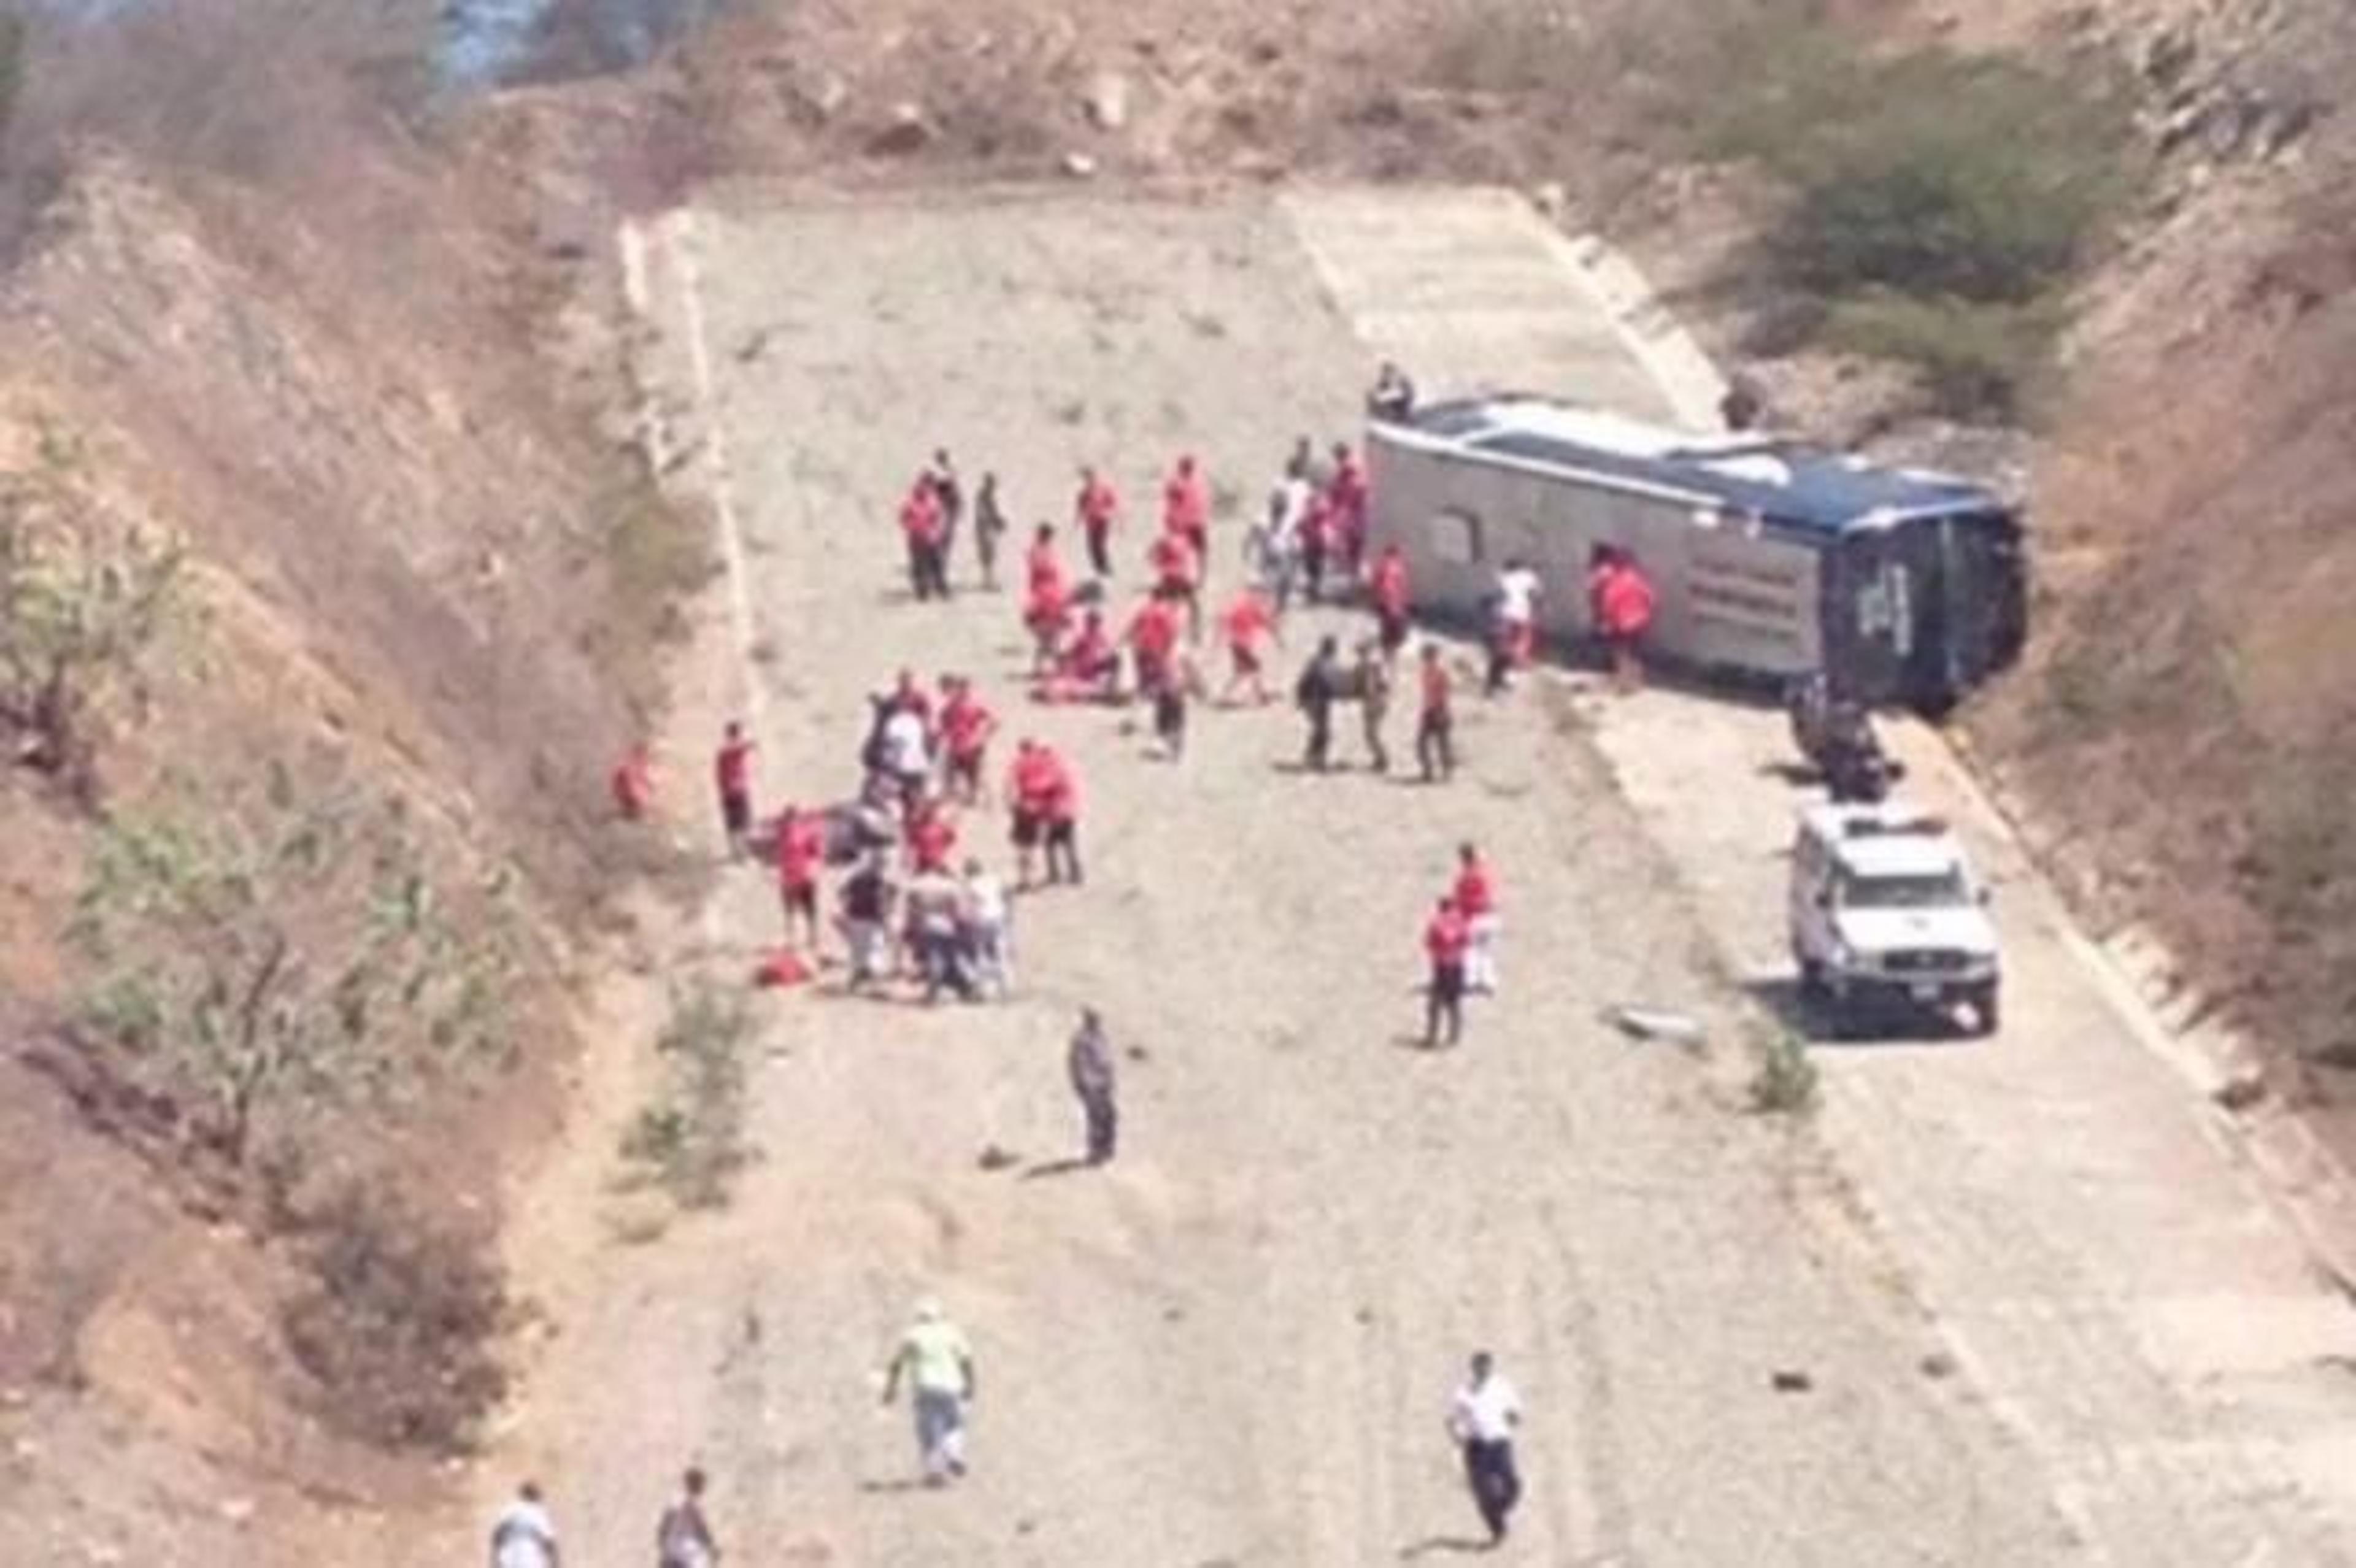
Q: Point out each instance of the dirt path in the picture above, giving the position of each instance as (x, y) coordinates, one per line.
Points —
(1234, 1345)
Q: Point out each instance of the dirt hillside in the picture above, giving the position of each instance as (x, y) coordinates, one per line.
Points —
(408, 566)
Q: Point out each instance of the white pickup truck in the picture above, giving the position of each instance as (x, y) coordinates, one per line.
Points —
(1886, 919)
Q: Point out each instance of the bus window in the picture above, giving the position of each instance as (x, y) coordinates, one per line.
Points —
(1456, 538)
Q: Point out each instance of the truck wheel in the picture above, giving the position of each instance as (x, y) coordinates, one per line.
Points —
(1811, 981)
(1985, 1015)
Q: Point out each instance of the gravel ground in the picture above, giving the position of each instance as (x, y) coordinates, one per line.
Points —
(1234, 1345)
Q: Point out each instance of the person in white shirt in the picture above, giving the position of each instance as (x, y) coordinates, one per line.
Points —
(1482, 1418)
(989, 931)
(1513, 634)
(906, 752)
(524, 1536)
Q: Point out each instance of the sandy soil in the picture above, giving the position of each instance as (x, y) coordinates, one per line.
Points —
(1234, 1347)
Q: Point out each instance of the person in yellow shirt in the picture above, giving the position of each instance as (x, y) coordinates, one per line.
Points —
(938, 1365)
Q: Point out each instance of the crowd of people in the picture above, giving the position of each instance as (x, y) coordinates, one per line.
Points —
(916, 909)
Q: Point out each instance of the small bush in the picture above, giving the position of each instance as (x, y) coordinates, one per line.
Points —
(266, 955)
(1785, 1082)
(1940, 203)
(1501, 45)
(85, 597)
(693, 1141)
(656, 556)
(1974, 360)
(398, 1322)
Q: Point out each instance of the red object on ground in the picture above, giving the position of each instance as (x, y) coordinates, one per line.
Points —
(782, 969)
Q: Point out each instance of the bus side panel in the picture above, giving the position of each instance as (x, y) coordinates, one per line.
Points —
(1751, 600)
(1728, 595)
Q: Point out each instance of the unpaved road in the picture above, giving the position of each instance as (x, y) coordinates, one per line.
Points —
(1234, 1345)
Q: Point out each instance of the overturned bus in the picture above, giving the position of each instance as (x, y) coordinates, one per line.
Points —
(1769, 559)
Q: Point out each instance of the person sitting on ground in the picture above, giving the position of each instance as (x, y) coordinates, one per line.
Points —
(1089, 666)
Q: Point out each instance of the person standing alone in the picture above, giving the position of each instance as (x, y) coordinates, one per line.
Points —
(1089, 1063)
(524, 1536)
(1435, 723)
(732, 772)
(1444, 941)
(1096, 509)
(938, 1364)
(1482, 1418)
(684, 1536)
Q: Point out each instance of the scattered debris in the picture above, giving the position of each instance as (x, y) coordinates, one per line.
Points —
(1657, 1023)
(1106, 101)
(1789, 1381)
(905, 130)
(996, 1159)
(1079, 165)
(2240, 1092)
(1937, 1365)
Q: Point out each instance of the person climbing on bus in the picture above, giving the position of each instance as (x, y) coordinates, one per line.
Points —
(1392, 401)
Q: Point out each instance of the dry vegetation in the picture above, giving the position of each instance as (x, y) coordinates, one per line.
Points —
(292, 350)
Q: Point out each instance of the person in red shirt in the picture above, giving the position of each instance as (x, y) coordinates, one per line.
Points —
(1152, 636)
(1096, 509)
(1060, 809)
(1246, 622)
(1046, 602)
(732, 769)
(1622, 604)
(1346, 492)
(634, 783)
(1029, 785)
(801, 856)
(1177, 576)
(1387, 586)
(966, 728)
(1316, 544)
(1088, 666)
(925, 526)
(1186, 507)
(1475, 896)
(1435, 723)
(932, 837)
(1445, 940)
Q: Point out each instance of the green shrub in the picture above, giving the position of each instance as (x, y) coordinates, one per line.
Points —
(1975, 360)
(693, 1141)
(1940, 203)
(263, 955)
(1785, 1082)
